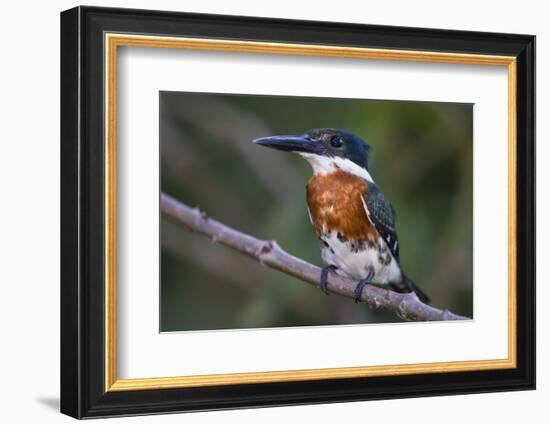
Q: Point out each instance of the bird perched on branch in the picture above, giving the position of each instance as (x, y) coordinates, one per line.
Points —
(354, 221)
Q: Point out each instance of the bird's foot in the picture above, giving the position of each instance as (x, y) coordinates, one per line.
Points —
(361, 284)
(324, 276)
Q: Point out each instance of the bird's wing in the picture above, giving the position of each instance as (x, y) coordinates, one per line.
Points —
(382, 216)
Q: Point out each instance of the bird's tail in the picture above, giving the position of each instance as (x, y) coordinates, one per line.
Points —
(409, 285)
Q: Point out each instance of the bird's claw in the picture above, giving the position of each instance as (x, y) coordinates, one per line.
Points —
(324, 276)
(359, 290)
(360, 285)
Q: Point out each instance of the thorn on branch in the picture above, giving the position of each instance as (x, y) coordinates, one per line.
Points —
(446, 314)
(265, 249)
(402, 309)
(202, 214)
(376, 303)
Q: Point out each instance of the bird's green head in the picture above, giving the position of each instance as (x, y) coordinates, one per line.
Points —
(325, 149)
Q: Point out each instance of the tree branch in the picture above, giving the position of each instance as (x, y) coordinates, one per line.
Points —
(406, 306)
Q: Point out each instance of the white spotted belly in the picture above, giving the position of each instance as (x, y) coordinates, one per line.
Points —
(355, 261)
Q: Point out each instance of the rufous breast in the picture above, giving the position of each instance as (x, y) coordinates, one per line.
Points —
(336, 205)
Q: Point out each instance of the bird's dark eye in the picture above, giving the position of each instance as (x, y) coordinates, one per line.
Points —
(336, 142)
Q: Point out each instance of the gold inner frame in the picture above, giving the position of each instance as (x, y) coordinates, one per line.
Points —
(113, 41)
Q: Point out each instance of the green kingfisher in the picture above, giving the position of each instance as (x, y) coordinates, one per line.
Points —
(353, 220)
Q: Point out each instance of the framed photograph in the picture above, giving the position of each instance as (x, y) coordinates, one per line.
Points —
(261, 212)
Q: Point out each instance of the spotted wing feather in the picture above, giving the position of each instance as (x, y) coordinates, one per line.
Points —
(382, 215)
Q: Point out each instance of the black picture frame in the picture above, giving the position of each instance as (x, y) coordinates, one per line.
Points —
(83, 392)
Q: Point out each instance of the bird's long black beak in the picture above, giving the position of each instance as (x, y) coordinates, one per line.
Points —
(291, 143)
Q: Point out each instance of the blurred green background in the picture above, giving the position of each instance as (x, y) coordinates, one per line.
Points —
(421, 158)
